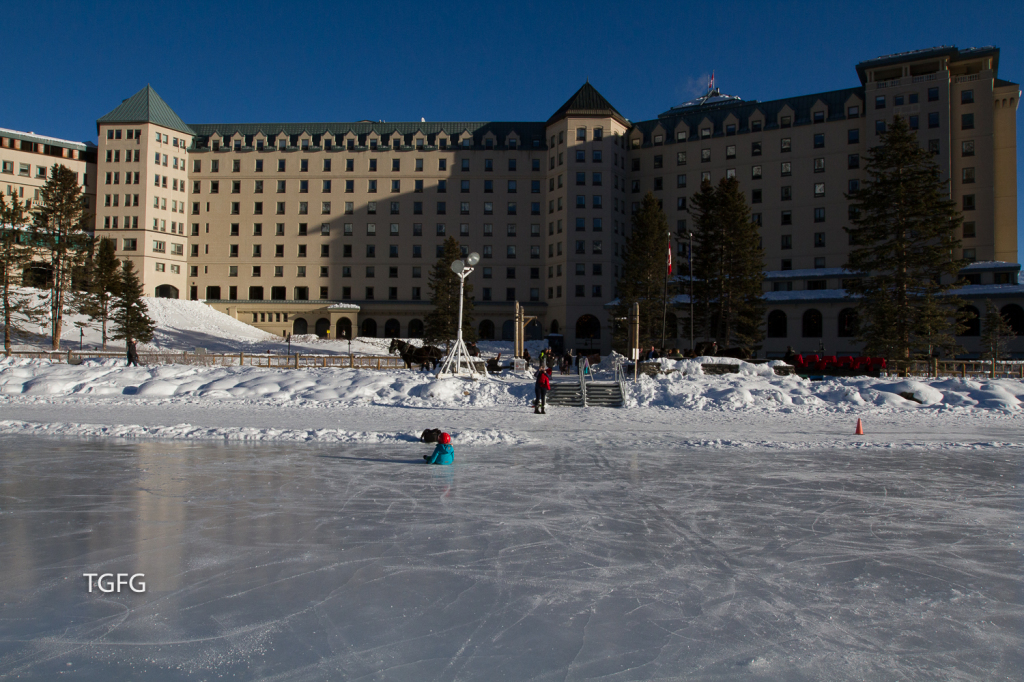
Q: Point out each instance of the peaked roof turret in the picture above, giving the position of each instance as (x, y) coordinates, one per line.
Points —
(146, 106)
(588, 102)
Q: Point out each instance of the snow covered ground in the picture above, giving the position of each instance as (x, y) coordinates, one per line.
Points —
(547, 561)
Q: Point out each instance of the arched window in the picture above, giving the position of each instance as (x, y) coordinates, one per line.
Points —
(508, 330)
(299, 326)
(534, 331)
(486, 330)
(973, 324)
(369, 328)
(812, 324)
(1014, 315)
(849, 322)
(588, 327)
(343, 330)
(392, 328)
(166, 291)
(554, 326)
(415, 329)
(777, 325)
(323, 325)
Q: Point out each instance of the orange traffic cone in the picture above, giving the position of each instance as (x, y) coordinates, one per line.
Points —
(860, 428)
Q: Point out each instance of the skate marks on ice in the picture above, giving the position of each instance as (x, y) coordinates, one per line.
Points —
(287, 561)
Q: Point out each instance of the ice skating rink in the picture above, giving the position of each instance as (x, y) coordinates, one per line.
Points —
(294, 562)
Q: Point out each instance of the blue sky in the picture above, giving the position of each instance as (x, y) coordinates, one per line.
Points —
(67, 64)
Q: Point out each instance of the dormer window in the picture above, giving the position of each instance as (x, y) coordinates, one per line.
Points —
(442, 142)
(305, 144)
(730, 129)
(819, 116)
(635, 142)
(467, 142)
(419, 143)
(238, 145)
(755, 126)
(328, 143)
(786, 121)
(512, 143)
(259, 145)
(681, 136)
(705, 133)
(659, 139)
(373, 143)
(489, 143)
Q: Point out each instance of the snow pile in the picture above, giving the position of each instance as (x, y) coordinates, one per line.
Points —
(756, 386)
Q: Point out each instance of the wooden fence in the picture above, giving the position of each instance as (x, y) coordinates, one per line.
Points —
(293, 361)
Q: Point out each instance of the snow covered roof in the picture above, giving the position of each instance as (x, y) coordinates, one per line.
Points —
(44, 139)
(710, 99)
(993, 265)
(343, 306)
(812, 273)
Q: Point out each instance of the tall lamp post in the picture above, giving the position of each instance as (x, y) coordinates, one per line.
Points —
(454, 360)
(691, 290)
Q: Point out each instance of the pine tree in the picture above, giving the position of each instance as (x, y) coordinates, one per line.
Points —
(441, 324)
(104, 280)
(728, 267)
(996, 333)
(128, 311)
(59, 228)
(15, 254)
(644, 268)
(905, 228)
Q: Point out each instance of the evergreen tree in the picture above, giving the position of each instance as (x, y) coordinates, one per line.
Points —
(905, 229)
(996, 333)
(15, 254)
(728, 267)
(441, 325)
(128, 311)
(59, 227)
(644, 268)
(103, 282)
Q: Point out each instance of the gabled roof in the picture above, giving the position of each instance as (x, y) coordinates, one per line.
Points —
(146, 106)
(587, 102)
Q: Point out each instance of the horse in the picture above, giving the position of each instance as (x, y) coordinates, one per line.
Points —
(423, 356)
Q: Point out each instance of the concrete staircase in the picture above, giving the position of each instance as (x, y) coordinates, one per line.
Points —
(604, 394)
(567, 393)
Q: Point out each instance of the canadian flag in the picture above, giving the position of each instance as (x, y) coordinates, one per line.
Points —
(670, 258)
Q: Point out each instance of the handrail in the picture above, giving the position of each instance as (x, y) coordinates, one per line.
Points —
(620, 378)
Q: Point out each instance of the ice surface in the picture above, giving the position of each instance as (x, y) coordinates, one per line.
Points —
(296, 562)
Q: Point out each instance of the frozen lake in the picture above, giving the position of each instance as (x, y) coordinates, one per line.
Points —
(292, 562)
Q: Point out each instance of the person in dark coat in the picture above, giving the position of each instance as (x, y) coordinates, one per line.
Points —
(541, 389)
(526, 356)
(133, 352)
(790, 356)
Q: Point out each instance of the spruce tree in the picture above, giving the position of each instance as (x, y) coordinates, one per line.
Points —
(728, 267)
(996, 333)
(905, 228)
(644, 268)
(441, 324)
(128, 312)
(59, 228)
(104, 282)
(15, 255)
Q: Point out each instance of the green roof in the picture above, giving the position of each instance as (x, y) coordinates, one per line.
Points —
(587, 102)
(146, 106)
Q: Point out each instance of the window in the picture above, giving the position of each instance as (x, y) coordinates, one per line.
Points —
(787, 144)
(819, 140)
(787, 192)
(970, 255)
(880, 102)
(853, 136)
(968, 202)
(879, 127)
(787, 241)
(787, 218)
(933, 94)
(819, 239)
(755, 126)
(730, 152)
(967, 97)
(969, 230)
(853, 186)
(914, 122)
(933, 146)
(967, 148)
(786, 168)
(966, 121)
(705, 155)
(755, 196)
(680, 158)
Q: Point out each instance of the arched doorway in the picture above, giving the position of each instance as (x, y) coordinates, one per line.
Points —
(508, 330)
(554, 326)
(812, 324)
(300, 326)
(323, 325)
(974, 324)
(369, 328)
(166, 291)
(343, 330)
(588, 327)
(534, 331)
(777, 325)
(486, 330)
(415, 329)
(392, 328)
(1014, 315)
(849, 322)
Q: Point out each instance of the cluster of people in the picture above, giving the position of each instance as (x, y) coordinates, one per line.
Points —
(670, 353)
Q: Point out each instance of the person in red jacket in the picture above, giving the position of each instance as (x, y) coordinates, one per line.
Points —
(541, 389)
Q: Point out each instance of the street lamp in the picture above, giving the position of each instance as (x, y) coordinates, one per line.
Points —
(455, 355)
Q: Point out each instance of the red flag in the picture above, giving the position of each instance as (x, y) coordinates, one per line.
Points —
(670, 258)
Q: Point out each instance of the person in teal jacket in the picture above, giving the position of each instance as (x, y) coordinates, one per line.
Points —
(444, 453)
